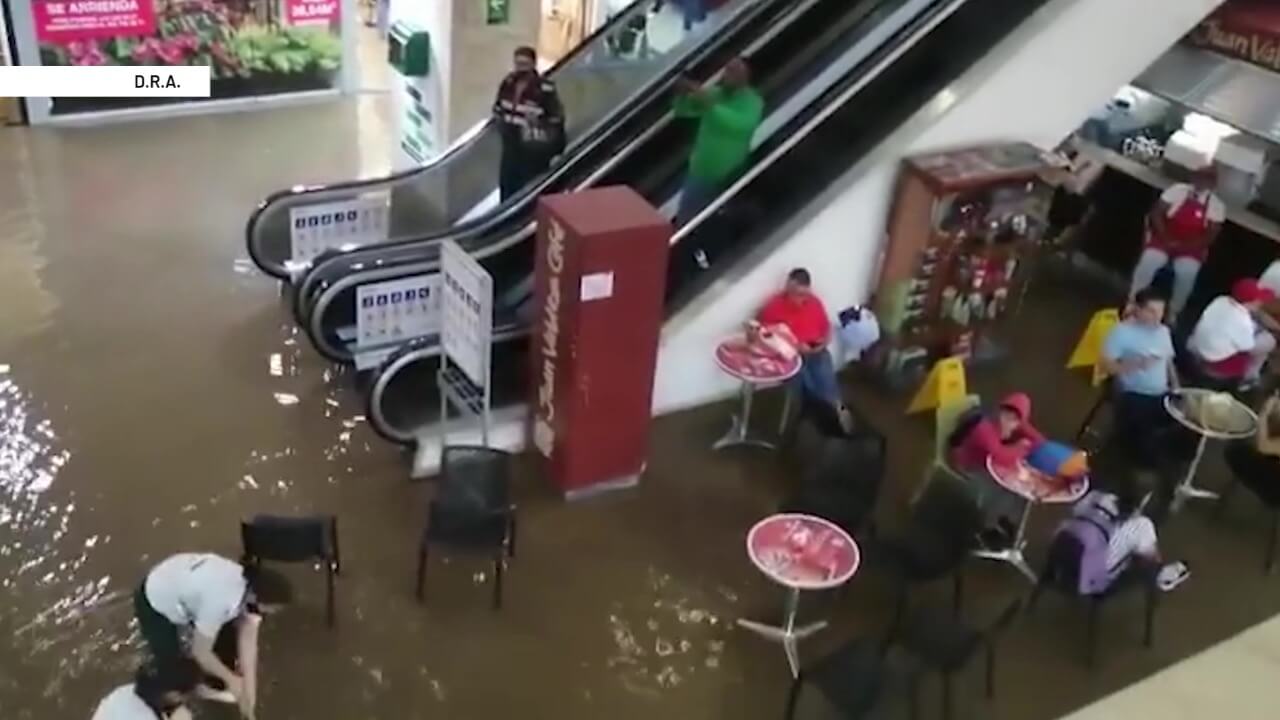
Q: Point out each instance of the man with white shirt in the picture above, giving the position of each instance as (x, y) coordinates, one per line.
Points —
(1180, 228)
(1229, 343)
(156, 693)
(207, 608)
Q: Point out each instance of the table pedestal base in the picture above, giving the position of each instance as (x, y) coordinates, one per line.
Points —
(1187, 490)
(739, 433)
(787, 634)
(1013, 555)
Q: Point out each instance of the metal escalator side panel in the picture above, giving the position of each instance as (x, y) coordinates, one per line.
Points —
(374, 265)
(825, 143)
(430, 193)
(612, 131)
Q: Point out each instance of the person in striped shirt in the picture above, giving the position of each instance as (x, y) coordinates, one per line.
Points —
(1133, 536)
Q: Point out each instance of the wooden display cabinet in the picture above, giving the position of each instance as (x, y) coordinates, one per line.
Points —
(960, 228)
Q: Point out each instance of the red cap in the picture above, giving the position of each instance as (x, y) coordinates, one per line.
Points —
(1247, 290)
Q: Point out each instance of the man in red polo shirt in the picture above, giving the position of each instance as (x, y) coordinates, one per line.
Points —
(805, 316)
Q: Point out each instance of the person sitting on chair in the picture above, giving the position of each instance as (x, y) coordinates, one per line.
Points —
(1230, 344)
(1006, 438)
(1131, 535)
(1181, 226)
(802, 312)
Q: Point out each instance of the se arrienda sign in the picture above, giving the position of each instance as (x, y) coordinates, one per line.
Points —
(66, 21)
(311, 12)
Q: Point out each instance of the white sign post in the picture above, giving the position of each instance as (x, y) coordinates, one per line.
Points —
(466, 335)
(314, 229)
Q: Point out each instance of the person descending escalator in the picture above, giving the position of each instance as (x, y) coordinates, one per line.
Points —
(728, 114)
(530, 119)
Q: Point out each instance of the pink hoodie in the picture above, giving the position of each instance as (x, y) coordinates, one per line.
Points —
(984, 439)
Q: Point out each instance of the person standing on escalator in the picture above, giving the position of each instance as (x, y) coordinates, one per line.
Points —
(728, 114)
(530, 122)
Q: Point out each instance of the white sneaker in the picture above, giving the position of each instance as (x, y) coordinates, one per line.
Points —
(700, 257)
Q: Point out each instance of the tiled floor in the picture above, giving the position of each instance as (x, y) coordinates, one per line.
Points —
(152, 391)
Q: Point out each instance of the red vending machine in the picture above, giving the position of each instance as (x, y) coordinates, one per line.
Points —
(599, 287)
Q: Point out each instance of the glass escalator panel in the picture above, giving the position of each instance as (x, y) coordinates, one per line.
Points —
(634, 48)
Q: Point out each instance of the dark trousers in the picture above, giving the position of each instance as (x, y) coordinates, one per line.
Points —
(518, 167)
(165, 643)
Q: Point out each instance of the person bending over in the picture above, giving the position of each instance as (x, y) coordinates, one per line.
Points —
(1181, 226)
(207, 608)
(1006, 438)
(1132, 535)
(158, 692)
(1230, 342)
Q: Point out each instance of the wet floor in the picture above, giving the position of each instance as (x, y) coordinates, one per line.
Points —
(152, 393)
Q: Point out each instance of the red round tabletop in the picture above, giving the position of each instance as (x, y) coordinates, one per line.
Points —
(803, 552)
(754, 364)
(1031, 484)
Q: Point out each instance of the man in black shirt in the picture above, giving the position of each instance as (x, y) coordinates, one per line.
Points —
(531, 122)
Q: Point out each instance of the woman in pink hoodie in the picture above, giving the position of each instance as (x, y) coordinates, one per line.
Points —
(1006, 438)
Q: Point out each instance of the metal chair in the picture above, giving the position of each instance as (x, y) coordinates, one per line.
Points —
(471, 511)
(859, 680)
(1260, 474)
(946, 644)
(1061, 574)
(841, 480)
(945, 421)
(291, 539)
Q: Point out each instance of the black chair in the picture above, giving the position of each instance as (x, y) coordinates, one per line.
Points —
(1093, 432)
(841, 480)
(472, 511)
(291, 539)
(1260, 474)
(858, 680)
(946, 644)
(1061, 574)
(941, 535)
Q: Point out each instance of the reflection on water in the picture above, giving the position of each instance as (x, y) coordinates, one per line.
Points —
(56, 613)
(663, 642)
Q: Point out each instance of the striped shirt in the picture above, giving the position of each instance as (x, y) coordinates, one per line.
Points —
(1134, 536)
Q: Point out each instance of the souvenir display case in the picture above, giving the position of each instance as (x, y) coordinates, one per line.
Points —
(961, 226)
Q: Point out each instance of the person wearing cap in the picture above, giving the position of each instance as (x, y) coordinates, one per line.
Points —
(1006, 438)
(1180, 228)
(1229, 342)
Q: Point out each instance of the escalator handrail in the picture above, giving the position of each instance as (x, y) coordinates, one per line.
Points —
(519, 204)
(344, 188)
(922, 27)
(312, 319)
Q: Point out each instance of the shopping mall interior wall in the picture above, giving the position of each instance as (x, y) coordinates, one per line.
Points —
(483, 56)
(1036, 86)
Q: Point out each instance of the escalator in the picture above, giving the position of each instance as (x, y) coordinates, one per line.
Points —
(460, 185)
(836, 83)
(325, 296)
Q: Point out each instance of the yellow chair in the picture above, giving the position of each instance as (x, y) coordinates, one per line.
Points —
(945, 419)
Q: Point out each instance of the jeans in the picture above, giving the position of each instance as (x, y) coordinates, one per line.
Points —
(817, 378)
(695, 11)
(695, 196)
(1185, 270)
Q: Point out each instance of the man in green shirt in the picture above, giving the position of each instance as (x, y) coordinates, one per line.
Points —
(728, 115)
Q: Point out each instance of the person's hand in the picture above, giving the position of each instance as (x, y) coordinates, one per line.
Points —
(235, 686)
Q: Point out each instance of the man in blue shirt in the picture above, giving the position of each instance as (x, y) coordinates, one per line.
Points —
(1138, 354)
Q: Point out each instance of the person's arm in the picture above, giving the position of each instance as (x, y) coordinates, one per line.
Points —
(202, 652)
(1031, 434)
(247, 655)
(691, 103)
(987, 438)
(740, 116)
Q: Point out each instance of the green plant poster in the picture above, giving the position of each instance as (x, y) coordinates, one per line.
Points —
(497, 12)
(252, 47)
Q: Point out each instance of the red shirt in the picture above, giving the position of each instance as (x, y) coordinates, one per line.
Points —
(805, 317)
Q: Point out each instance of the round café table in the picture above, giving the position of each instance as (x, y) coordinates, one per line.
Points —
(754, 369)
(1035, 488)
(799, 552)
(1237, 422)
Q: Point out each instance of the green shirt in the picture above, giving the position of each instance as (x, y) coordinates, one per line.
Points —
(726, 121)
